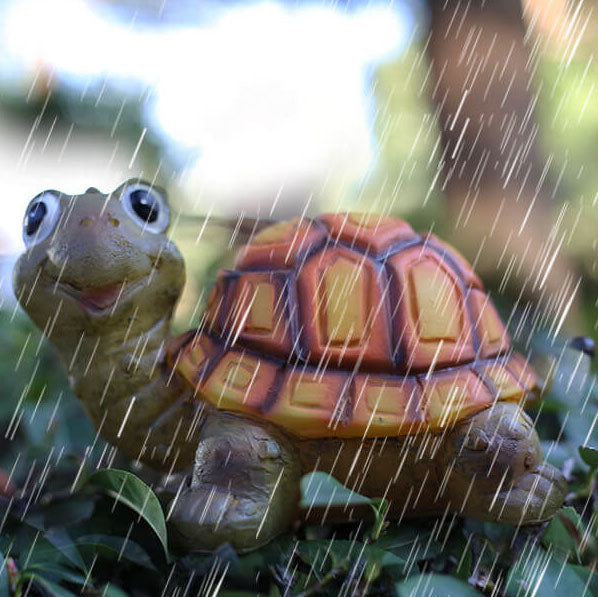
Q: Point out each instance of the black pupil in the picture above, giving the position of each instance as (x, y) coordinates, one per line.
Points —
(584, 344)
(35, 215)
(144, 205)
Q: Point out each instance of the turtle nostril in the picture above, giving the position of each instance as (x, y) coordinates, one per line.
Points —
(528, 461)
(85, 222)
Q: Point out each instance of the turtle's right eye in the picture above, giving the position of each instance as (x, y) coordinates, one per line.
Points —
(146, 206)
(40, 218)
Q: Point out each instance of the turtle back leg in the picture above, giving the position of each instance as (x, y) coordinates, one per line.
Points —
(244, 489)
(495, 469)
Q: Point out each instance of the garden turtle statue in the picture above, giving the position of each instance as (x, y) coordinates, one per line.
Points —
(348, 344)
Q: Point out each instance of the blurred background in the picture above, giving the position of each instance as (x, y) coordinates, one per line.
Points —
(478, 121)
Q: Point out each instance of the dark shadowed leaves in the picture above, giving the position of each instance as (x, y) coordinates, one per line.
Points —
(539, 572)
(131, 491)
(115, 549)
(589, 455)
(410, 541)
(588, 577)
(68, 512)
(564, 534)
(4, 581)
(111, 590)
(337, 553)
(424, 585)
(50, 587)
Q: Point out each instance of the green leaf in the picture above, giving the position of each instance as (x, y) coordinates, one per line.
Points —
(48, 551)
(465, 565)
(111, 590)
(131, 491)
(538, 572)
(342, 551)
(558, 534)
(409, 541)
(500, 535)
(589, 455)
(380, 506)
(113, 549)
(320, 489)
(434, 584)
(62, 541)
(50, 587)
(68, 512)
(57, 572)
(244, 568)
(589, 578)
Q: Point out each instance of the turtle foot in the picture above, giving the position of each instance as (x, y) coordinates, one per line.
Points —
(202, 518)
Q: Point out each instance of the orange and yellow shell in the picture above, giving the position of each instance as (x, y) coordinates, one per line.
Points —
(351, 326)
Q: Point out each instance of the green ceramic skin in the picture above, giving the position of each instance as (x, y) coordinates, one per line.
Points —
(102, 283)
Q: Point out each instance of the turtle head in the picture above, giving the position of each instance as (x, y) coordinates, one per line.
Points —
(98, 263)
(497, 470)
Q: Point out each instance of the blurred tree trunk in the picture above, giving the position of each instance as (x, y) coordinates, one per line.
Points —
(494, 174)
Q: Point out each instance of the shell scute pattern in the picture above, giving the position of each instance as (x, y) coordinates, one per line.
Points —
(365, 331)
(311, 403)
(491, 333)
(371, 233)
(453, 395)
(282, 245)
(430, 319)
(343, 308)
(386, 405)
(252, 309)
(451, 254)
(240, 380)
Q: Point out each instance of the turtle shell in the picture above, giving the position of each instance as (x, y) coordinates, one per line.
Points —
(351, 325)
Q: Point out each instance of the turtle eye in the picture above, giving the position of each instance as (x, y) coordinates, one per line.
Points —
(34, 218)
(476, 440)
(584, 344)
(146, 207)
(40, 218)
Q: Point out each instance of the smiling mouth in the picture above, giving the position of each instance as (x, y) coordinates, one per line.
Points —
(98, 300)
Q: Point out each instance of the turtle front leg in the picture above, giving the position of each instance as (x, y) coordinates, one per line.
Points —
(497, 472)
(244, 489)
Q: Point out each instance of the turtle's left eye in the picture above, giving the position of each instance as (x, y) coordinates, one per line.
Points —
(34, 218)
(40, 218)
(476, 440)
(146, 207)
(584, 344)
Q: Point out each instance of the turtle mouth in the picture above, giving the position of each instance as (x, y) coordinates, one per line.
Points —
(99, 300)
(536, 496)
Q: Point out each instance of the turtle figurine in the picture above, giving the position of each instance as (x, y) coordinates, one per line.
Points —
(347, 344)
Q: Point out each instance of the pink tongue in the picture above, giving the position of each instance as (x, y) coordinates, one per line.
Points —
(101, 296)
